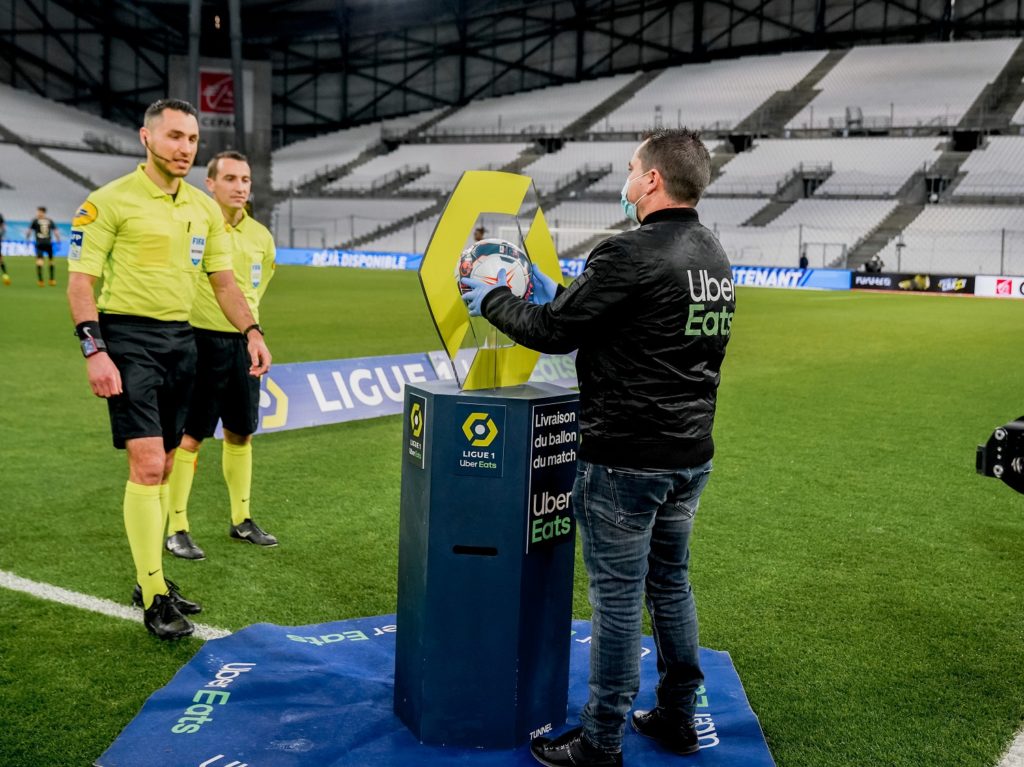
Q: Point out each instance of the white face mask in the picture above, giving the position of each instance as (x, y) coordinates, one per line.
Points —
(629, 208)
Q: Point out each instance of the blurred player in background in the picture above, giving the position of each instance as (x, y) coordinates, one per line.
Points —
(153, 239)
(224, 389)
(45, 233)
(3, 266)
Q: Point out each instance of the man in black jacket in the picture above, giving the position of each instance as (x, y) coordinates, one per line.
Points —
(651, 316)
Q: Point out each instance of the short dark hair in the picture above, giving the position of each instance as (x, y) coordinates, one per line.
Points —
(159, 106)
(213, 166)
(41, 208)
(681, 158)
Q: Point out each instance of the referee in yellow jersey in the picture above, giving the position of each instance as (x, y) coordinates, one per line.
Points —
(152, 238)
(224, 389)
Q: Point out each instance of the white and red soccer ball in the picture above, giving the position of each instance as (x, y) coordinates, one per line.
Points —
(484, 259)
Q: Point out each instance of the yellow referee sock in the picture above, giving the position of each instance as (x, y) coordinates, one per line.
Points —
(165, 503)
(236, 461)
(143, 521)
(180, 488)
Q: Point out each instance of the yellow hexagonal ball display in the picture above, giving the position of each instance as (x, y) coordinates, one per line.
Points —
(481, 191)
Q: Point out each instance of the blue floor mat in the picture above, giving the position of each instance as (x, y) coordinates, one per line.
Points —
(321, 696)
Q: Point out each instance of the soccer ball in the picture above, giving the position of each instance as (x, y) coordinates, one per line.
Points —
(484, 259)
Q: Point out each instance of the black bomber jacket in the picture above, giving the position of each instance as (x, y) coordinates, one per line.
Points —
(651, 316)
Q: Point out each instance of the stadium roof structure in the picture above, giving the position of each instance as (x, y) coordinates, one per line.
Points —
(338, 63)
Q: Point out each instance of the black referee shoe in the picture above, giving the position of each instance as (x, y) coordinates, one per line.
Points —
(181, 545)
(250, 531)
(573, 750)
(677, 735)
(164, 620)
(185, 606)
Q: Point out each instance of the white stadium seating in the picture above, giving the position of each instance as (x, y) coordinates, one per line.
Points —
(1018, 116)
(556, 169)
(546, 110)
(860, 166)
(575, 222)
(906, 85)
(715, 212)
(97, 167)
(825, 229)
(28, 183)
(42, 121)
(302, 160)
(315, 223)
(955, 239)
(445, 161)
(995, 170)
(714, 95)
(618, 156)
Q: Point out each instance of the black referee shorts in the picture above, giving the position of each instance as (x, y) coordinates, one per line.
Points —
(157, 362)
(44, 249)
(224, 389)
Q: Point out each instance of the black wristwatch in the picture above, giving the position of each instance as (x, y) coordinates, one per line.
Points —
(254, 326)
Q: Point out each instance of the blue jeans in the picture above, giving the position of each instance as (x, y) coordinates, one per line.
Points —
(634, 525)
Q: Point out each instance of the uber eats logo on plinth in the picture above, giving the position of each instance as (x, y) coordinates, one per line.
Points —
(554, 439)
(481, 440)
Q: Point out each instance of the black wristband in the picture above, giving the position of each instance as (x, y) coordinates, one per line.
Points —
(254, 326)
(90, 338)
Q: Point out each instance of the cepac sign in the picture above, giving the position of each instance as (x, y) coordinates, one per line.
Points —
(999, 287)
(217, 91)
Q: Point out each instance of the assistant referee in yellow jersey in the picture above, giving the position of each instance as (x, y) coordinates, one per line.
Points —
(152, 238)
(224, 389)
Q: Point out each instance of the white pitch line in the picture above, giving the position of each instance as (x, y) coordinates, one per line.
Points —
(94, 604)
(1015, 756)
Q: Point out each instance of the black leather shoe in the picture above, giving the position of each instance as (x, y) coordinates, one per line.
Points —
(573, 750)
(185, 607)
(181, 545)
(677, 735)
(163, 619)
(250, 531)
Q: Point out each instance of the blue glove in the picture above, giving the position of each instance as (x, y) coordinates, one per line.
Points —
(474, 299)
(544, 288)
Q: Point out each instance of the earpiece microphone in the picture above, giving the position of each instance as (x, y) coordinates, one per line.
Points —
(159, 156)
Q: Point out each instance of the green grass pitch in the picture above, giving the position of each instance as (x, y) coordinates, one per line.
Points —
(865, 580)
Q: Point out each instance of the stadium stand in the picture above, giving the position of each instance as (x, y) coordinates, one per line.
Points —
(578, 159)
(995, 170)
(303, 161)
(825, 230)
(28, 183)
(430, 167)
(716, 95)
(618, 157)
(960, 239)
(316, 223)
(1018, 116)
(728, 211)
(44, 122)
(883, 86)
(573, 223)
(844, 166)
(96, 167)
(544, 111)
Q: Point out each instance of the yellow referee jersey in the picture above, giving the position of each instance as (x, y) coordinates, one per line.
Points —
(151, 250)
(252, 254)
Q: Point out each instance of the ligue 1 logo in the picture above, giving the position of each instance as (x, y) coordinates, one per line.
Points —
(479, 429)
